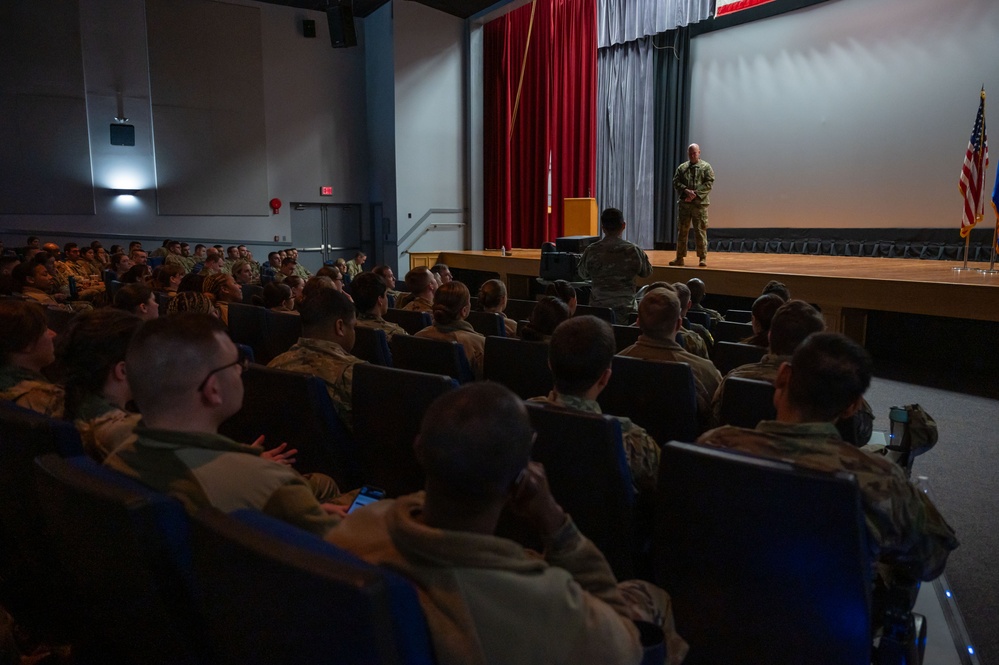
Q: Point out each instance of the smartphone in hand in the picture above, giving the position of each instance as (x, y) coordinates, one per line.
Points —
(365, 496)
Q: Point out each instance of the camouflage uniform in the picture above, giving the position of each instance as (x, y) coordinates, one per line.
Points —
(766, 370)
(715, 315)
(709, 340)
(692, 343)
(43, 299)
(302, 272)
(419, 304)
(103, 426)
(378, 323)
(698, 177)
(328, 361)
(907, 533)
(206, 469)
(185, 262)
(612, 264)
(463, 333)
(706, 375)
(31, 390)
(641, 449)
(353, 269)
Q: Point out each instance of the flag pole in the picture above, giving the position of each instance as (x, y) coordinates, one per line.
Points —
(985, 171)
(967, 238)
(967, 241)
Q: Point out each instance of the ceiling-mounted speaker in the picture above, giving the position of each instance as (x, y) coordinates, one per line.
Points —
(341, 21)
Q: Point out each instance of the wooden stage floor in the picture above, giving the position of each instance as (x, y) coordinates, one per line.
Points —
(846, 288)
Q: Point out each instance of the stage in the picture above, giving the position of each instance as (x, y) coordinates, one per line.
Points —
(846, 288)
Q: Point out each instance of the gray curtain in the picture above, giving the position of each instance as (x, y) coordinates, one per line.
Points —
(672, 123)
(620, 21)
(625, 135)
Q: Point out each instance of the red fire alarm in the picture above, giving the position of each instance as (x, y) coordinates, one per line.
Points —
(325, 191)
(275, 205)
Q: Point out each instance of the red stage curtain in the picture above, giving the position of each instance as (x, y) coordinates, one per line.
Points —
(556, 118)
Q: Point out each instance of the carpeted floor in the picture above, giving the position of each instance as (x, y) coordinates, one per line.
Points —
(963, 472)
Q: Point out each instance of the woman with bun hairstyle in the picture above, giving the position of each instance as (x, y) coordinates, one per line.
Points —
(451, 307)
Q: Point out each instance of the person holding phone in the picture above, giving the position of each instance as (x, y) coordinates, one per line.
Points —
(486, 598)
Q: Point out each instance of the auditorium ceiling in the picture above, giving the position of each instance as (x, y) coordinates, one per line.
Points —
(459, 8)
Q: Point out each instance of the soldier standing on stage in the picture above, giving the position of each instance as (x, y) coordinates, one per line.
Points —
(692, 181)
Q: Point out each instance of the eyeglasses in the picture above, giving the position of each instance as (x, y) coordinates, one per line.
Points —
(241, 360)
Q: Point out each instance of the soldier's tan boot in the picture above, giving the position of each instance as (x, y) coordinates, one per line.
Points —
(703, 262)
(677, 262)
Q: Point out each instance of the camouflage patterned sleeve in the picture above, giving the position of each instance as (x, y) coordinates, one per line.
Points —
(643, 456)
(645, 266)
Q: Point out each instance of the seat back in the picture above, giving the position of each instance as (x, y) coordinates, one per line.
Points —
(625, 336)
(520, 309)
(371, 344)
(700, 318)
(487, 323)
(411, 322)
(730, 331)
(246, 325)
(588, 473)
(728, 355)
(745, 402)
(280, 333)
(765, 562)
(58, 318)
(250, 290)
(605, 313)
(519, 365)
(659, 396)
(435, 356)
(275, 594)
(386, 428)
(127, 553)
(296, 408)
(739, 315)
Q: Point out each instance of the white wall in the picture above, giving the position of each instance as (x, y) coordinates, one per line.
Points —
(850, 113)
(316, 129)
(429, 128)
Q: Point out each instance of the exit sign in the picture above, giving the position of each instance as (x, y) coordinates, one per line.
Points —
(325, 191)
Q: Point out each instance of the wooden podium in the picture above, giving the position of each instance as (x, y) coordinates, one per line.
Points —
(580, 217)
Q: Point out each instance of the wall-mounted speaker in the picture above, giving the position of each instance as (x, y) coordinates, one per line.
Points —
(341, 21)
(308, 28)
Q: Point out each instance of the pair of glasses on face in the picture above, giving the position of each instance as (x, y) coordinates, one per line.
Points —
(241, 360)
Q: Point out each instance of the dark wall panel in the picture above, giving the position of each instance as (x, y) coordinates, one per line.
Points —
(206, 76)
(45, 164)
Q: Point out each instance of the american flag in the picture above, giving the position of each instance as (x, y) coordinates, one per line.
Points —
(972, 181)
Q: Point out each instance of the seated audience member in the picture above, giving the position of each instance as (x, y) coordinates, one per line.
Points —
(492, 298)
(385, 272)
(178, 450)
(486, 599)
(224, 290)
(277, 298)
(334, 276)
(697, 293)
(791, 324)
(297, 286)
(452, 303)
(175, 256)
(764, 309)
(369, 298)
(139, 273)
(137, 299)
(328, 321)
(120, 264)
(35, 283)
(242, 272)
(288, 266)
(442, 272)
(422, 285)
(778, 288)
(91, 354)
(213, 264)
(564, 291)
(7, 264)
(694, 335)
(192, 281)
(167, 279)
(193, 302)
(300, 270)
(659, 319)
(824, 382)
(356, 265)
(270, 270)
(580, 354)
(545, 317)
(138, 257)
(26, 348)
(341, 265)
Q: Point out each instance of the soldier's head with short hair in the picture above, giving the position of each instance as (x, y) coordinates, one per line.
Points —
(764, 309)
(697, 290)
(328, 314)
(612, 221)
(580, 354)
(825, 380)
(421, 282)
(791, 324)
(659, 314)
(683, 295)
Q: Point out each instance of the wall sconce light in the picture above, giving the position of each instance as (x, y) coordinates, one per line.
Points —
(124, 192)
